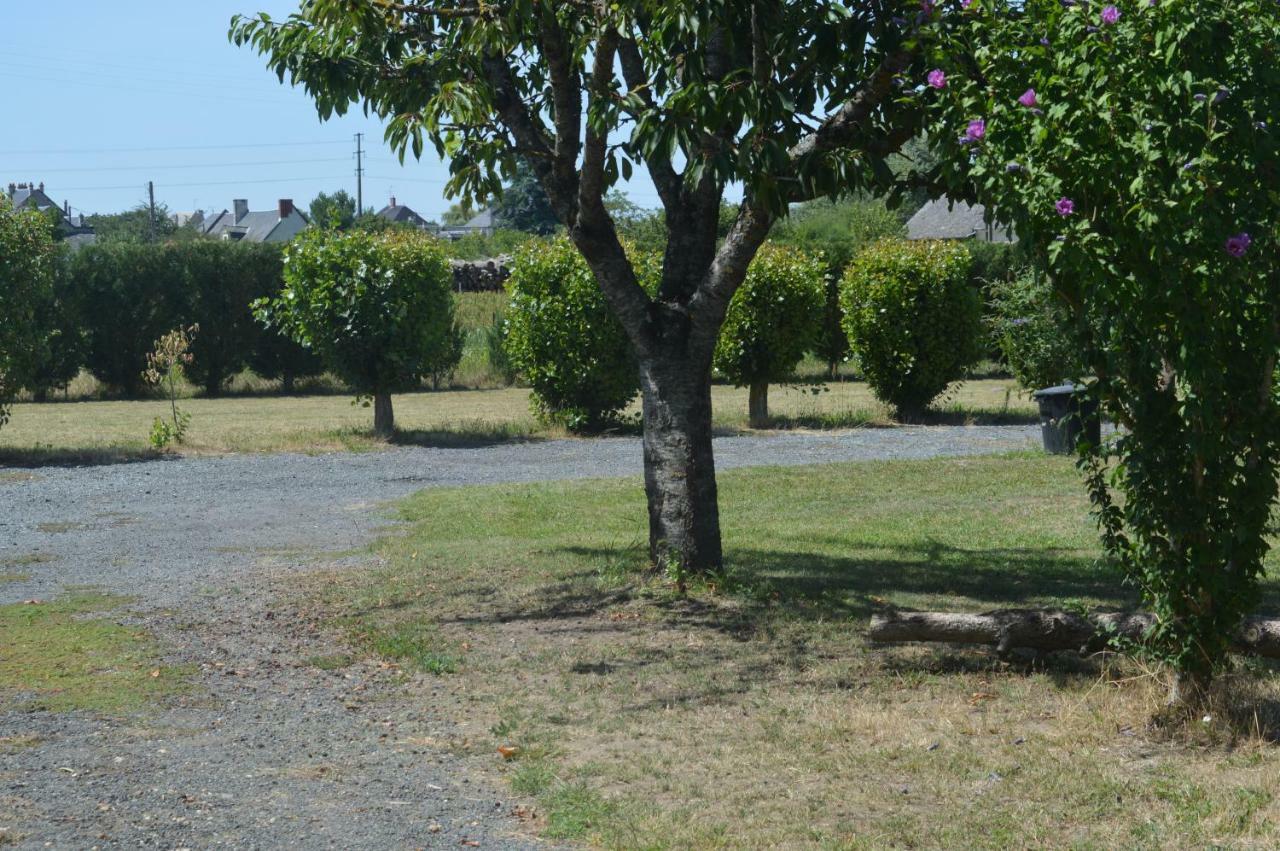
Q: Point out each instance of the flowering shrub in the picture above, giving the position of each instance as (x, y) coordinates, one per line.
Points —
(913, 319)
(1134, 146)
(773, 320)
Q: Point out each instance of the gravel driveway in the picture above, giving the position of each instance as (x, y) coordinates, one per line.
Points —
(267, 751)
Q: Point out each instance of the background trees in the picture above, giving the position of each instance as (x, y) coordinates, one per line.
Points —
(1133, 146)
(336, 211)
(792, 100)
(377, 308)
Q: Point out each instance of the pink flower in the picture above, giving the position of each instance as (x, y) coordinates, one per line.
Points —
(1110, 15)
(1239, 244)
(1028, 98)
(965, 4)
(976, 131)
(1065, 207)
(937, 78)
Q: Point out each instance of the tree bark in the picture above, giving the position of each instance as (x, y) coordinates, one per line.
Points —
(1036, 629)
(384, 421)
(679, 468)
(758, 405)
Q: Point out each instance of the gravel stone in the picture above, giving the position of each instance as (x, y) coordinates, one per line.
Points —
(266, 751)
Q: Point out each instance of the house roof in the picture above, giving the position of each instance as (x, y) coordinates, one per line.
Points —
(255, 227)
(401, 214)
(945, 219)
(31, 197)
(483, 219)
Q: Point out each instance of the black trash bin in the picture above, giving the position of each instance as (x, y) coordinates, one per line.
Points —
(1064, 415)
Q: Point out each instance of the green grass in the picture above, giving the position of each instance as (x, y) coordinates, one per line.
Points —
(72, 653)
(754, 714)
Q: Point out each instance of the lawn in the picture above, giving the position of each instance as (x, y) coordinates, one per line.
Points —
(328, 423)
(755, 714)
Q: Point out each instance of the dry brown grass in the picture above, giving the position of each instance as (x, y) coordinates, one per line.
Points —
(108, 431)
(759, 717)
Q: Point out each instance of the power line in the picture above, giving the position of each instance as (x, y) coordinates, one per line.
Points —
(150, 167)
(238, 146)
(210, 183)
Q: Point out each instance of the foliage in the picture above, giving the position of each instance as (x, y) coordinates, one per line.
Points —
(221, 280)
(128, 294)
(773, 318)
(1134, 146)
(478, 246)
(28, 263)
(1031, 330)
(497, 352)
(460, 213)
(913, 320)
(561, 337)
(523, 205)
(277, 357)
(134, 225)
(335, 212)
(164, 369)
(377, 308)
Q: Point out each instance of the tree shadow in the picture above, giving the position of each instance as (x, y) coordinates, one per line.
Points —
(72, 456)
(462, 438)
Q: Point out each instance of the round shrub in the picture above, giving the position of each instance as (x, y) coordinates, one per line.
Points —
(913, 319)
(28, 258)
(377, 308)
(773, 319)
(562, 337)
(1032, 330)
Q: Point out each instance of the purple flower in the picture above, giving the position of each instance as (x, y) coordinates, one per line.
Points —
(965, 4)
(937, 78)
(1044, 40)
(1028, 98)
(1020, 321)
(1065, 206)
(976, 131)
(1110, 15)
(1013, 168)
(927, 6)
(1239, 244)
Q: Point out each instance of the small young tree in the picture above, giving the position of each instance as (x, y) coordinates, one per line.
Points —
(377, 308)
(165, 367)
(560, 335)
(1135, 146)
(790, 100)
(773, 319)
(914, 320)
(28, 256)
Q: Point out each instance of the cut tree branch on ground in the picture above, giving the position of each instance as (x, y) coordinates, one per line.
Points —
(1045, 630)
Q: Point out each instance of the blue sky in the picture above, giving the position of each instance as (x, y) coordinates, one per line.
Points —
(97, 98)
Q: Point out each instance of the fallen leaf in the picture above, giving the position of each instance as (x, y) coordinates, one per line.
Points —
(508, 751)
(155, 673)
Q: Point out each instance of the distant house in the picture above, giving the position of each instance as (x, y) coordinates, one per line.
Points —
(402, 215)
(483, 223)
(945, 219)
(71, 228)
(193, 219)
(279, 225)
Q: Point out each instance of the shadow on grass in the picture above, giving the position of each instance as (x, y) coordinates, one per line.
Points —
(72, 456)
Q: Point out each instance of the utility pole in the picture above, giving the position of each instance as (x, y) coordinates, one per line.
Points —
(359, 174)
(151, 195)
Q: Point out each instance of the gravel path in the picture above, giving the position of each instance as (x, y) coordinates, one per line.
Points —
(266, 751)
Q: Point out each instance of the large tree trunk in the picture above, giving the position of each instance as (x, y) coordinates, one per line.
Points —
(384, 421)
(758, 405)
(679, 469)
(1035, 629)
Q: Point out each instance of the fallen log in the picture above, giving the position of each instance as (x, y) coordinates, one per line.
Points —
(1044, 630)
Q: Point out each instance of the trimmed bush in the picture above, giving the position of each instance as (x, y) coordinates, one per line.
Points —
(377, 308)
(222, 280)
(913, 320)
(28, 258)
(773, 319)
(1032, 330)
(562, 337)
(129, 294)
